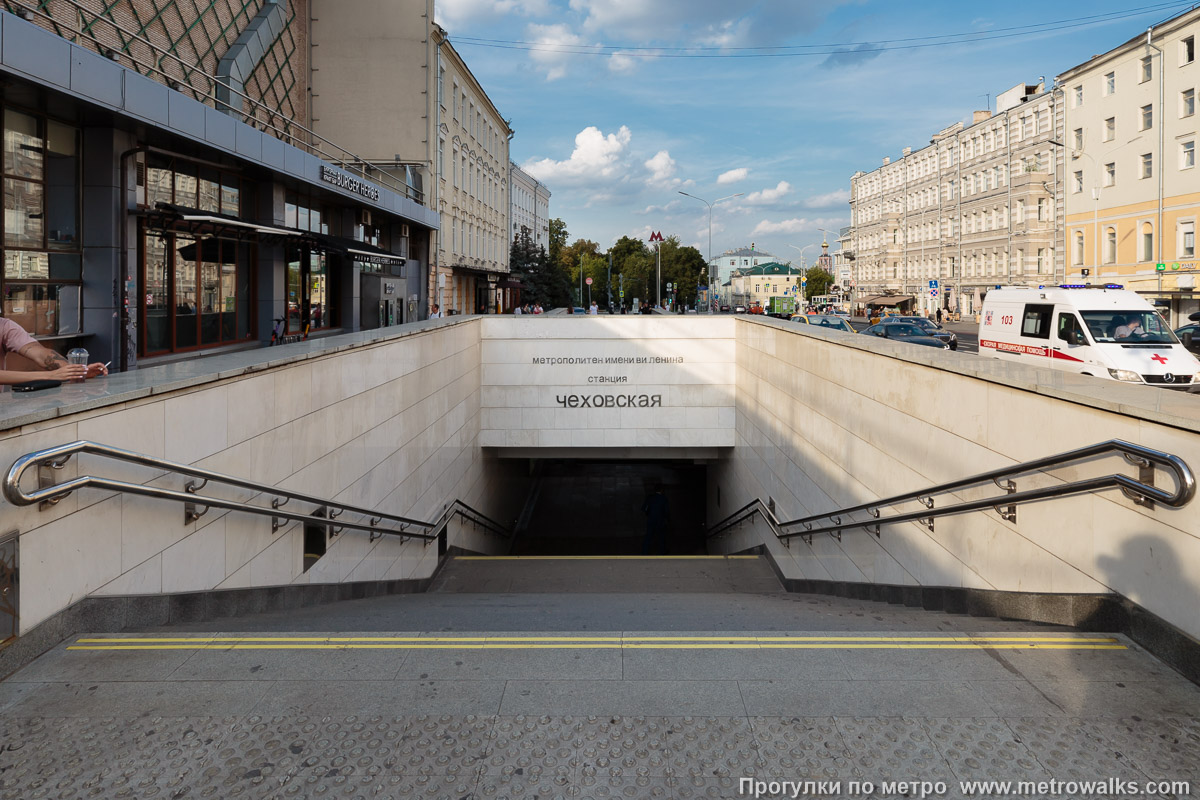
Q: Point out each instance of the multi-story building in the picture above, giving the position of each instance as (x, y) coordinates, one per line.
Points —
(757, 284)
(976, 208)
(1132, 187)
(530, 200)
(738, 258)
(166, 194)
(429, 115)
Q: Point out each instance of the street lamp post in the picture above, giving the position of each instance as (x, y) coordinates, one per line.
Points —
(710, 205)
(803, 265)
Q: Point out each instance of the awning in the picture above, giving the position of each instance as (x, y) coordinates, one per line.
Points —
(359, 251)
(510, 283)
(887, 300)
(198, 222)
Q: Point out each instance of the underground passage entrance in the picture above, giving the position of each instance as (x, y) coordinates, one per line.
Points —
(594, 508)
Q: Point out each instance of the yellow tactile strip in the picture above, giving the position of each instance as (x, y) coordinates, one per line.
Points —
(948, 642)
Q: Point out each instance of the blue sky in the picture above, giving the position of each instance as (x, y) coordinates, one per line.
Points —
(616, 135)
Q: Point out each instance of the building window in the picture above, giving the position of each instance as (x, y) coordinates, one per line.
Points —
(1079, 138)
(1042, 207)
(1041, 259)
(1110, 83)
(1077, 183)
(1187, 238)
(1110, 173)
(1110, 245)
(1078, 96)
(1187, 155)
(1147, 165)
(1147, 117)
(1147, 242)
(1187, 103)
(1187, 50)
(40, 244)
(1078, 248)
(1147, 72)
(1110, 129)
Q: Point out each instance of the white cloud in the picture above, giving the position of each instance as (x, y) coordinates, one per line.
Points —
(836, 198)
(796, 225)
(621, 63)
(447, 13)
(703, 22)
(769, 195)
(786, 226)
(662, 168)
(733, 175)
(555, 42)
(596, 158)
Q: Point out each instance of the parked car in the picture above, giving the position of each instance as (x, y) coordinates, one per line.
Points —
(724, 309)
(1192, 334)
(829, 321)
(739, 309)
(932, 328)
(905, 332)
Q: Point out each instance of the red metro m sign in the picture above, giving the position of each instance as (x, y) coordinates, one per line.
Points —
(656, 236)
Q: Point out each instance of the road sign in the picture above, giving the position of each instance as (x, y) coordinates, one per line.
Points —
(933, 284)
(622, 294)
(933, 292)
(1160, 267)
(588, 281)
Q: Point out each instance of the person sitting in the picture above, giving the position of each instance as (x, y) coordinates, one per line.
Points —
(49, 364)
(1131, 329)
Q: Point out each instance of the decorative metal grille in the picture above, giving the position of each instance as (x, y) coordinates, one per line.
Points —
(180, 42)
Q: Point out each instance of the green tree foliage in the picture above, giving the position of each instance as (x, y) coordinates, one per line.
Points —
(819, 281)
(543, 281)
(682, 267)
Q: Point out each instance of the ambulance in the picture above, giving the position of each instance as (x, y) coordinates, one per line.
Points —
(1103, 331)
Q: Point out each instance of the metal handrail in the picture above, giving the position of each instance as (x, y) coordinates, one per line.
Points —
(1142, 491)
(57, 457)
(755, 506)
(345, 160)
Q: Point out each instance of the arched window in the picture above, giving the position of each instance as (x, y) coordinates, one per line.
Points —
(1110, 245)
(1147, 242)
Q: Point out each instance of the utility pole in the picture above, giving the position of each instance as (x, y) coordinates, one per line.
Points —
(581, 277)
(658, 271)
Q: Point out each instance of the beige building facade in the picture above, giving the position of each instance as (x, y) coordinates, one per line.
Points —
(974, 209)
(1132, 187)
(530, 199)
(428, 117)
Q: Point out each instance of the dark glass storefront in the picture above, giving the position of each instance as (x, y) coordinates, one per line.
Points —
(197, 292)
(42, 255)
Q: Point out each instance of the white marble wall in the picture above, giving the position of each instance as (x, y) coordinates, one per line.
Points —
(529, 363)
(825, 422)
(392, 425)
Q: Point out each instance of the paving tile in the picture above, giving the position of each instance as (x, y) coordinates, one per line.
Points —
(819, 698)
(718, 698)
(373, 697)
(799, 746)
(149, 698)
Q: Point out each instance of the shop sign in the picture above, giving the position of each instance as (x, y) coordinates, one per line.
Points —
(349, 183)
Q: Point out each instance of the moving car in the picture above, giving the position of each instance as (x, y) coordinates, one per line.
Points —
(935, 330)
(724, 308)
(877, 315)
(1103, 331)
(833, 321)
(1189, 335)
(739, 309)
(905, 332)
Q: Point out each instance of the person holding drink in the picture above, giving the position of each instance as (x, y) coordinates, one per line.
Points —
(49, 364)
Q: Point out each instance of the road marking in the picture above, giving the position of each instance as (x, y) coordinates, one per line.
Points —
(959, 642)
(600, 558)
